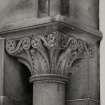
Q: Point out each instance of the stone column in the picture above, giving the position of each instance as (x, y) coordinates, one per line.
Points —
(49, 55)
(49, 89)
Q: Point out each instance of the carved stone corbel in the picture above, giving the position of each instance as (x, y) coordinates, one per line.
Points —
(49, 57)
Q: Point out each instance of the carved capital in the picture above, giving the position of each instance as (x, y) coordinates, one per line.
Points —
(48, 53)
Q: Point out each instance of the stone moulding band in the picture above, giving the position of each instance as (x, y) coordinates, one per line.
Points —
(84, 99)
(49, 78)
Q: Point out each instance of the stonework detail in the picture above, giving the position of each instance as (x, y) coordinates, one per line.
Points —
(49, 52)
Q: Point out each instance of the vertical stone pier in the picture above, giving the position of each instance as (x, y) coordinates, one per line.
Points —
(84, 87)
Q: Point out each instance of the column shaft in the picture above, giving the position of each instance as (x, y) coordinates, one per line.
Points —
(48, 90)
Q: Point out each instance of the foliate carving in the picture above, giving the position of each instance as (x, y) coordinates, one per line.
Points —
(26, 43)
(16, 46)
(51, 39)
(10, 46)
(51, 52)
(35, 42)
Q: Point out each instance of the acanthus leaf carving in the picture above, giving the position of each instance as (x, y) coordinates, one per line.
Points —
(48, 53)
